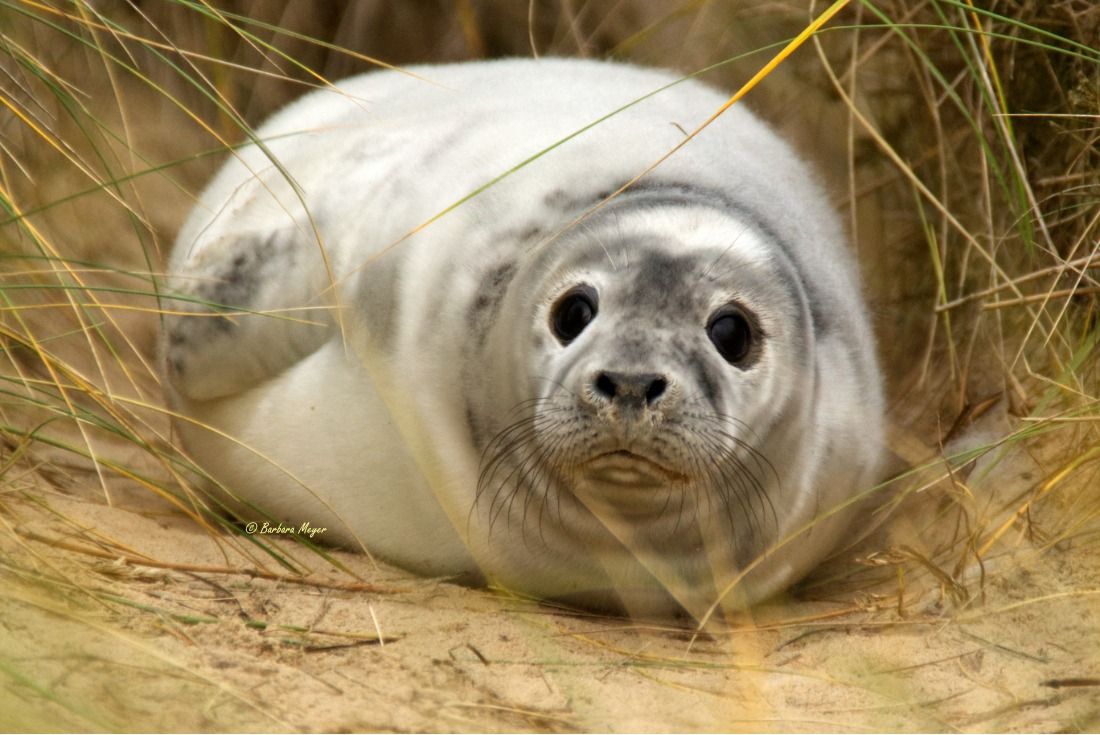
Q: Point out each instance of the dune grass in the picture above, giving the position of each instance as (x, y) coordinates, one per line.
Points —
(960, 139)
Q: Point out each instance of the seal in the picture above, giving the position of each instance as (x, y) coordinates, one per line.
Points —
(412, 312)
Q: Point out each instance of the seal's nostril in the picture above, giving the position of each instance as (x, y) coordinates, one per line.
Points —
(605, 386)
(655, 390)
(630, 389)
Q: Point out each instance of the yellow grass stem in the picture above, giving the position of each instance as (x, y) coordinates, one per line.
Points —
(747, 87)
(1044, 490)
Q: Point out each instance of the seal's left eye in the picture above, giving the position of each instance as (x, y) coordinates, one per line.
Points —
(572, 313)
(732, 335)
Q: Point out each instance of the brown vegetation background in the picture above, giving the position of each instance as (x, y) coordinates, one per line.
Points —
(958, 140)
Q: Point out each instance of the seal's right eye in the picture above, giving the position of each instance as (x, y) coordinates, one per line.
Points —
(572, 313)
(731, 333)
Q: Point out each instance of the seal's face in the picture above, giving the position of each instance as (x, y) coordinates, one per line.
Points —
(666, 348)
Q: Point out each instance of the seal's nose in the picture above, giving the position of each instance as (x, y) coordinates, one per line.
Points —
(630, 390)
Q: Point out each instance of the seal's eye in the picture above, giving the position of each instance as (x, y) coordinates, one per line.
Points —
(732, 334)
(572, 313)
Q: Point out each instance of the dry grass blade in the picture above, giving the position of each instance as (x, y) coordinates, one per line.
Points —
(962, 140)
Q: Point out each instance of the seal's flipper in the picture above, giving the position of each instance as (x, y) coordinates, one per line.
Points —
(234, 319)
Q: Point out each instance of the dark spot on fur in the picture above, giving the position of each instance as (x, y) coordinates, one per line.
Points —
(563, 201)
(662, 283)
(379, 285)
(490, 294)
(235, 286)
(708, 386)
(556, 198)
(497, 280)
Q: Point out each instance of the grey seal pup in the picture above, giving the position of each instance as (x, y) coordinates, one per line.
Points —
(649, 402)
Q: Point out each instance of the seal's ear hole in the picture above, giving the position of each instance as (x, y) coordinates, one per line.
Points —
(572, 313)
(732, 333)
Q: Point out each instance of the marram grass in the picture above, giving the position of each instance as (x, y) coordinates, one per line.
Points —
(959, 139)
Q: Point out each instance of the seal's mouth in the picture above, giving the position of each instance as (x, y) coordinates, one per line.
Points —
(629, 486)
(623, 467)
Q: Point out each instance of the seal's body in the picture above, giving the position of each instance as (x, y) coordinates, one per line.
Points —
(648, 400)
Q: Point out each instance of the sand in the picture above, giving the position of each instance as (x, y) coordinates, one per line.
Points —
(133, 617)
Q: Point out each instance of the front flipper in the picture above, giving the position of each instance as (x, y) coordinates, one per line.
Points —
(243, 309)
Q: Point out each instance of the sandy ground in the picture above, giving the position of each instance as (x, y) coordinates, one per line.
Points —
(132, 617)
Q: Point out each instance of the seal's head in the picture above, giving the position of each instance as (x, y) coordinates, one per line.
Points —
(666, 351)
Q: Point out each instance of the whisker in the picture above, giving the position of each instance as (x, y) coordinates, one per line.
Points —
(529, 466)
